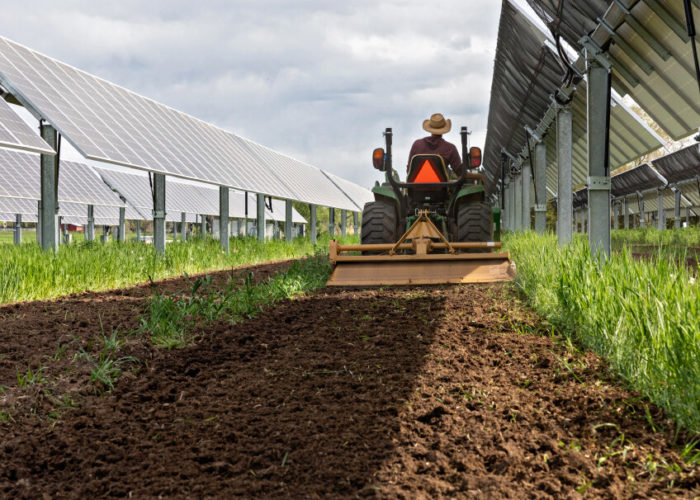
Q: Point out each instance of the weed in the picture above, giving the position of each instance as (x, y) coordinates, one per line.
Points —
(691, 452)
(31, 377)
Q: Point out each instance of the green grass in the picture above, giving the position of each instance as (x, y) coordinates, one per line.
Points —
(686, 237)
(27, 273)
(169, 318)
(643, 317)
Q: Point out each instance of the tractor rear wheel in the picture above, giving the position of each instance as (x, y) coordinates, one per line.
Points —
(474, 221)
(379, 222)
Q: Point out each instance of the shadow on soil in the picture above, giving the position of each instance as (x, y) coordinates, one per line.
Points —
(301, 401)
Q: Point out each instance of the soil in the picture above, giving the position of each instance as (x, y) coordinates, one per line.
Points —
(455, 391)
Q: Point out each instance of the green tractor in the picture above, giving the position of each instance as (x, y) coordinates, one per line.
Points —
(430, 229)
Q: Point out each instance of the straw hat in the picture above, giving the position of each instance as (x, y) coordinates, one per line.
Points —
(437, 124)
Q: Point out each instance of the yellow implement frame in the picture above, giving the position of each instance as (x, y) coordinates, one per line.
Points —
(412, 260)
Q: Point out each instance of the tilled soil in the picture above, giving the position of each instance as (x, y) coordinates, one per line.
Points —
(398, 393)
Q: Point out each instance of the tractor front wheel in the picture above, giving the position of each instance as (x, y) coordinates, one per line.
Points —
(379, 222)
(474, 221)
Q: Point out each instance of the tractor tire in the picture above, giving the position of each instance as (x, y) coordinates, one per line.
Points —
(474, 222)
(379, 223)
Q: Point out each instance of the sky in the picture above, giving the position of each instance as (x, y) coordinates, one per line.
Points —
(317, 80)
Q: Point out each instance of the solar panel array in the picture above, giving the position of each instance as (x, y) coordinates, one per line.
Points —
(71, 213)
(191, 199)
(108, 123)
(651, 52)
(77, 182)
(527, 72)
(15, 134)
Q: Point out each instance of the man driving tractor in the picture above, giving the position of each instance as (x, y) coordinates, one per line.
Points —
(435, 144)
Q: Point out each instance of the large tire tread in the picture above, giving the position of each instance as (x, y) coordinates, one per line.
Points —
(474, 222)
(379, 222)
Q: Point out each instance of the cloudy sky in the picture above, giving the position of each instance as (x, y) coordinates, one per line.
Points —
(318, 80)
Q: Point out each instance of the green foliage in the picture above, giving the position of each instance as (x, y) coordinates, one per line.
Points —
(27, 273)
(686, 237)
(643, 317)
(31, 377)
(169, 319)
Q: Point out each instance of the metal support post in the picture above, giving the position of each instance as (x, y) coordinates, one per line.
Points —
(138, 230)
(525, 209)
(504, 210)
(627, 213)
(313, 231)
(90, 236)
(288, 224)
(509, 201)
(331, 221)
(564, 184)
(203, 226)
(223, 218)
(677, 209)
(260, 222)
(159, 213)
(660, 222)
(598, 124)
(642, 214)
(38, 223)
(518, 205)
(541, 187)
(48, 207)
(615, 211)
(18, 229)
(356, 222)
(344, 222)
(183, 226)
(687, 216)
(122, 225)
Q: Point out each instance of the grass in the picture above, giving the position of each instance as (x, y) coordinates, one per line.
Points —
(27, 273)
(686, 237)
(169, 318)
(642, 317)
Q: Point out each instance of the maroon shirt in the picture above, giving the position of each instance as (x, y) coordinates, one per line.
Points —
(436, 145)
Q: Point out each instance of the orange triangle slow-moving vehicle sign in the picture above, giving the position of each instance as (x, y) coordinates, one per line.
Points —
(427, 174)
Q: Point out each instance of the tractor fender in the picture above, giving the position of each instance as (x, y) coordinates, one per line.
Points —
(468, 191)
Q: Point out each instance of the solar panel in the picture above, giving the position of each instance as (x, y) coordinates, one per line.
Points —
(15, 134)
(355, 192)
(681, 165)
(308, 184)
(640, 178)
(10, 217)
(108, 123)
(77, 182)
(18, 206)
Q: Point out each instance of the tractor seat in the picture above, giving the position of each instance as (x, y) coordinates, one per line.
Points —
(427, 169)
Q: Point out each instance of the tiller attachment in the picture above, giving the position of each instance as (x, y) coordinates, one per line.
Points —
(422, 256)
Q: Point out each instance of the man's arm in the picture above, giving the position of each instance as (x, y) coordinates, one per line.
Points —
(411, 154)
(455, 161)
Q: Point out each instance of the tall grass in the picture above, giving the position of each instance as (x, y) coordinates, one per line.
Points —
(27, 273)
(643, 317)
(686, 237)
